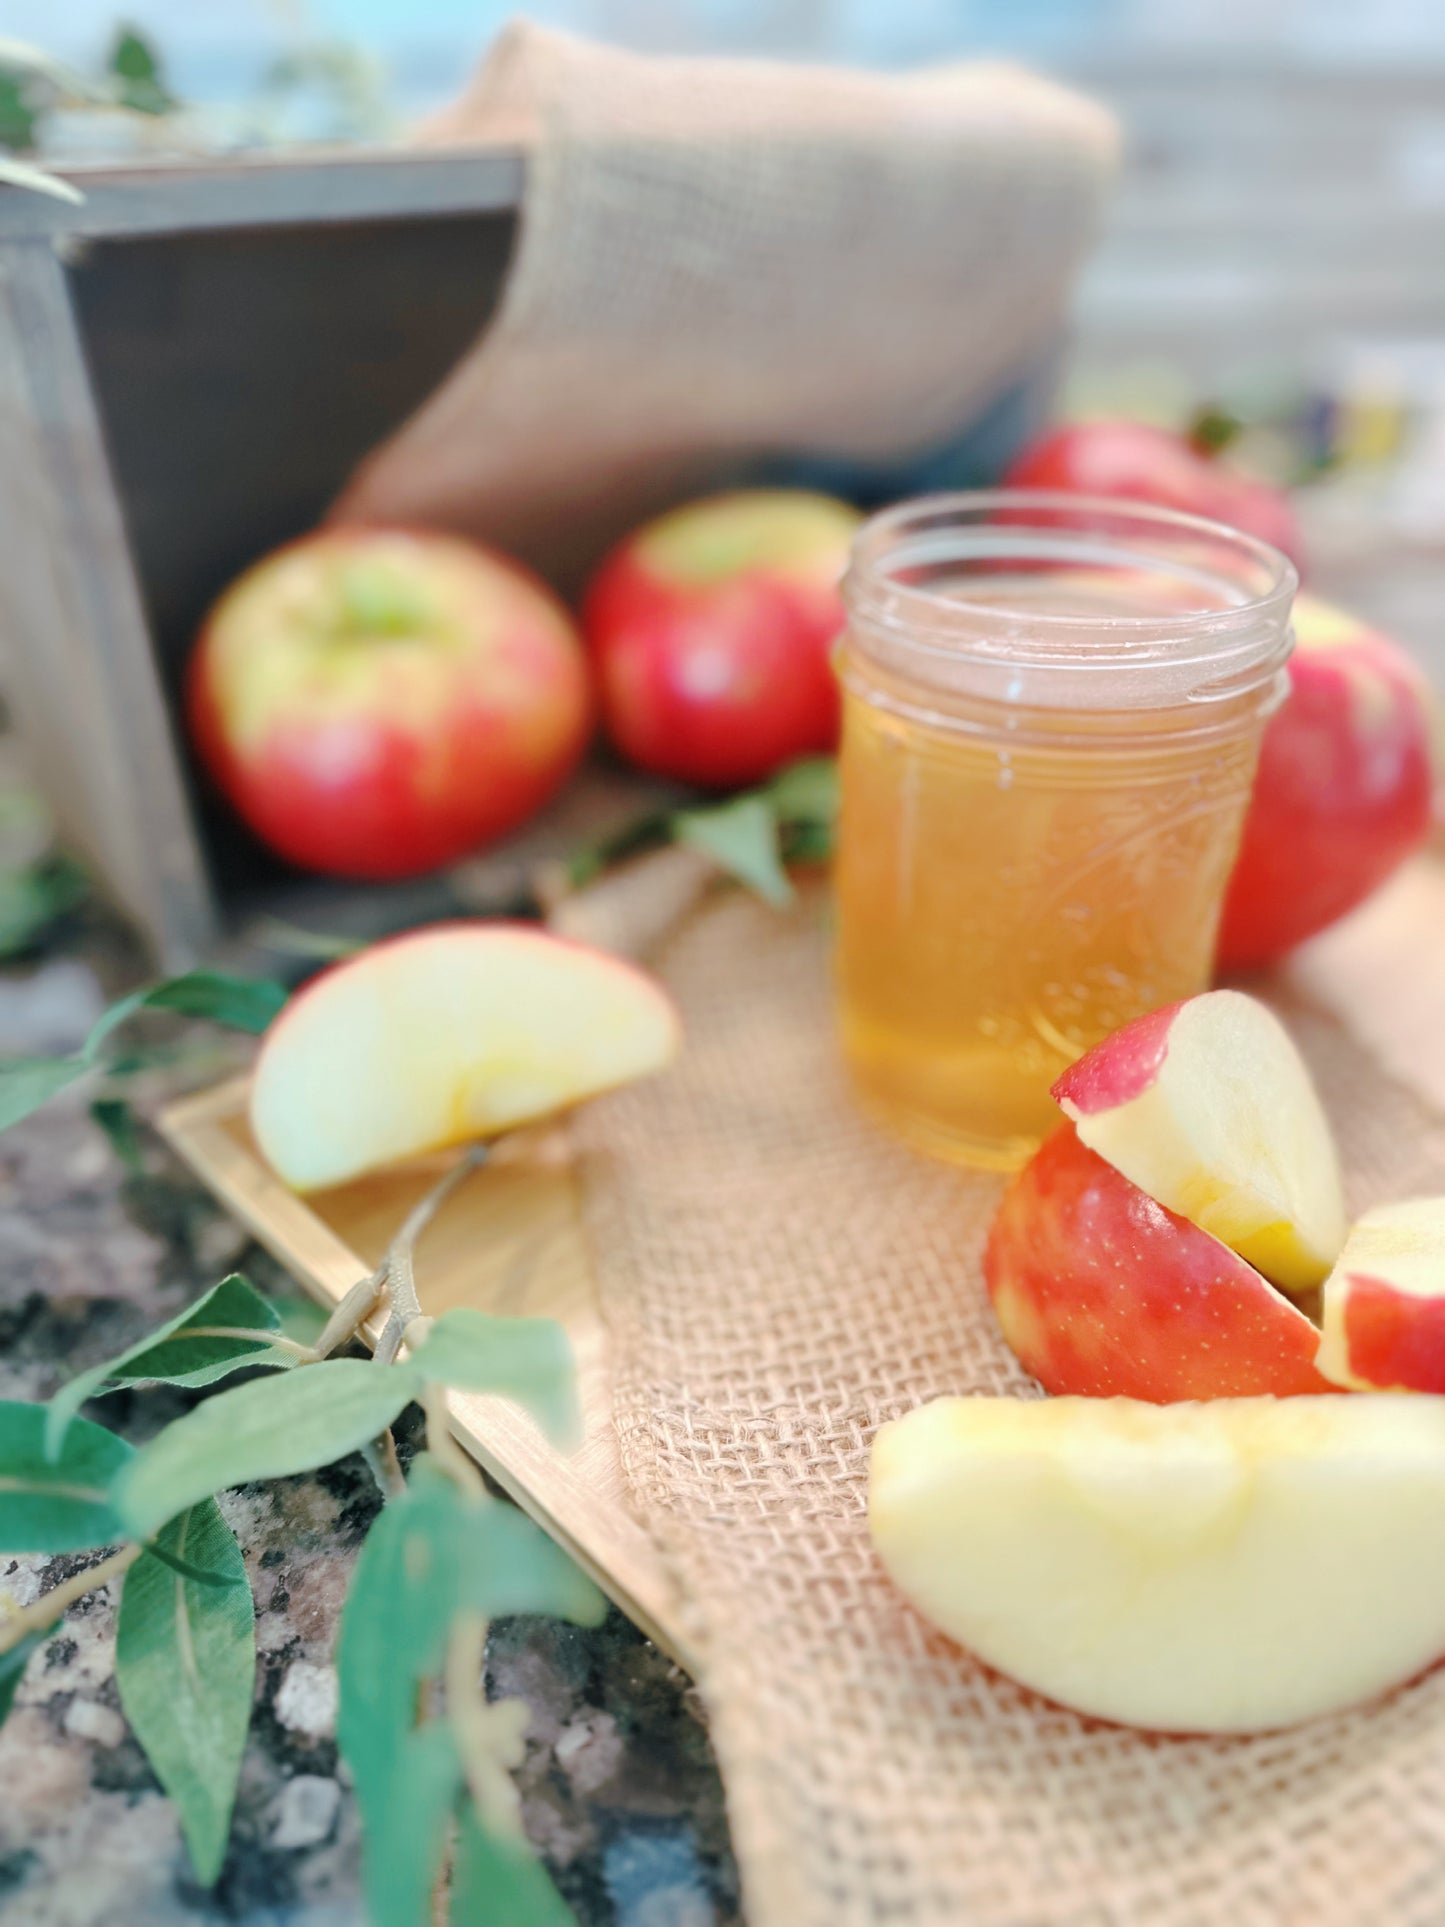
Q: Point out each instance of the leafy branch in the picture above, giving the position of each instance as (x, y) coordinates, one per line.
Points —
(431, 1758)
(751, 837)
(239, 1003)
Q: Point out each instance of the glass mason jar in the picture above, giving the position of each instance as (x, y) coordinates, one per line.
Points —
(1052, 712)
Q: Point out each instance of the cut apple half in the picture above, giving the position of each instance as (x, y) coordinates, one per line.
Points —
(1208, 1107)
(443, 1036)
(1101, 1292)
(1384, 1302)
(1219, 1568)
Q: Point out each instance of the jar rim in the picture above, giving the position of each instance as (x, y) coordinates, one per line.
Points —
(994, 524)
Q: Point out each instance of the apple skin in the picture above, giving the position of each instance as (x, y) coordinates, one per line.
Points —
(1102, 1293)
(1383, 1307)
(382, 740)
(712, 632)
(1343, 791)
(1146, 464)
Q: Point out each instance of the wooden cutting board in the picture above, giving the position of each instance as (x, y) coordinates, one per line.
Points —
(509, 1240)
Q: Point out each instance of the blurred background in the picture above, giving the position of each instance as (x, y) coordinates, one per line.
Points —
(1277, 252)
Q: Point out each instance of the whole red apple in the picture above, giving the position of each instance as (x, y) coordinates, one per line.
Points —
(1102, 1293)
(376, 702)
(712, 629)
(1343, 792)
(1145, 464)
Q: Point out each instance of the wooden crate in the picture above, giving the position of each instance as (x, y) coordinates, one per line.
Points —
(191, 362)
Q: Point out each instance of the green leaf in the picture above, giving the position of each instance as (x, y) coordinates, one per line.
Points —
(185, 1663)
(188, 1350)
(241, 1003)
(268, 1429)
(432, 1554)
(13, 1664)
(412, 1576)
(405, 1829)
(526, 1359)
(28, 1082)
(31, 899)
(137, 70)
(19, 128)
(496, 1881)
(302, 1319)
(806, 792)
(62, 1504)
(741, 837)
(643, 833)
(116, 1118)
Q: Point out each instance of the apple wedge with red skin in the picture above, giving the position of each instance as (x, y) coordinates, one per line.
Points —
(1101, 1292)
(1383, 1307)
(445, 1036)
(1208, 1107)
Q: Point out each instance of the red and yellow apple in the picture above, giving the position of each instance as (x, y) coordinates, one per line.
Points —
(443, 1036)
(1343, 792)
(712, 629)
(1384, 1302)
(1102, 1292)
(1146, 464)
(377, 702)
(1208, 1107)
(1222, 1568)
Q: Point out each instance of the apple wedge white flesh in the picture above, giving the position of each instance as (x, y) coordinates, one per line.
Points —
(1208, 1107)
(446, 1035)
(1226, 1567)
(1384, 1302)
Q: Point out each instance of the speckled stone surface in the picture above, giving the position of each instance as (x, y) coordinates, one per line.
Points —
(620, 1791)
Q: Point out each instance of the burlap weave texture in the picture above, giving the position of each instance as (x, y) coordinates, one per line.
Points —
(723, 258)
(779, 1279)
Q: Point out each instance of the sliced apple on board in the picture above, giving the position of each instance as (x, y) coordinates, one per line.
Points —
(1102, 1292)
(443, 1036)
(1228, 1567)
(1208, 1107)
(1384, 1302)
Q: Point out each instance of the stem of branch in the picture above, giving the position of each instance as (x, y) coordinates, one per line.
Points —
(398, 1266)
(351, 1314)
(443, 1446)
(385, 1466)
(491, 1739)
(257, 1336)
(19, 1622)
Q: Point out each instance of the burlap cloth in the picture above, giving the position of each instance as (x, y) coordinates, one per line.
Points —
(779, 1278)
(720, 258)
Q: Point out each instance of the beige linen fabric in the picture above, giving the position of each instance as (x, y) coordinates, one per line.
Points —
(722, 257)
(779, 1278)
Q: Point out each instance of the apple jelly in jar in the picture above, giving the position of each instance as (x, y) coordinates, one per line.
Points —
(1052, 712)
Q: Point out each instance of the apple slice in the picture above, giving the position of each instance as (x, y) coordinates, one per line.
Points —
(446, 1035)
(1221, 1568)
(1208, 1107)
(1384, 1302)
(1101, 1292)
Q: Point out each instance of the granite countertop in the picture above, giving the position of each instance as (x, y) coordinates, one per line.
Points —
(620, 1792)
